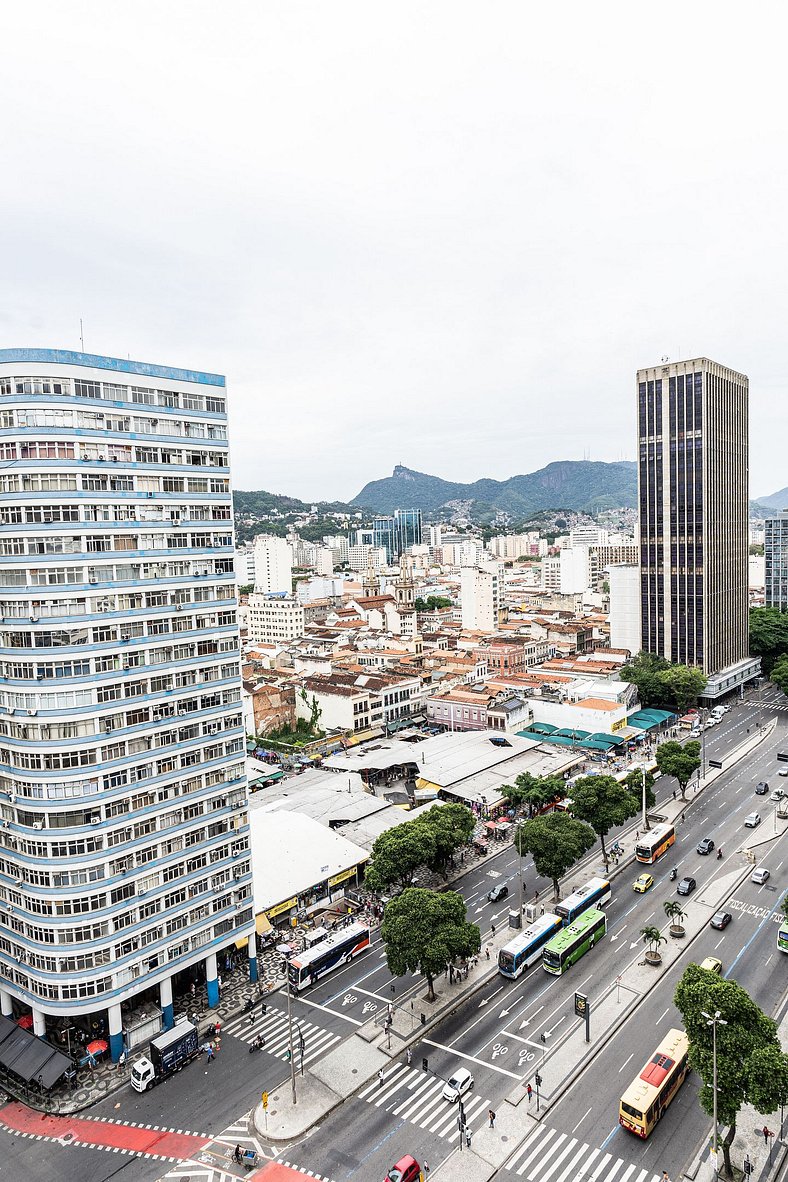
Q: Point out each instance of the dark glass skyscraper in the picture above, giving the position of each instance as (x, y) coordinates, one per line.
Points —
(693, 504)
(398, 532)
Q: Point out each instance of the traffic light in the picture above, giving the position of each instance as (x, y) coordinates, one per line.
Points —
(538, 1080)
(425, 1064)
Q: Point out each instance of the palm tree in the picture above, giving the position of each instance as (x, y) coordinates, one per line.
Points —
(675, 913)
(653, 938)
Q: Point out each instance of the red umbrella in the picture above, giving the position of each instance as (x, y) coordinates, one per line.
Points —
(97, 1047)
(26, 1021)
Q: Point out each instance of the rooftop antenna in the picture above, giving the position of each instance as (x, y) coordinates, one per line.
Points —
(81, 336)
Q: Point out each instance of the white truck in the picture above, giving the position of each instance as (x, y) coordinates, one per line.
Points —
(168, 1052)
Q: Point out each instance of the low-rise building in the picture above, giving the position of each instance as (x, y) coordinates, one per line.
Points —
(275, 619)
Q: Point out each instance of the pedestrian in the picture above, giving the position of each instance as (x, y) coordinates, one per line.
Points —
(408, 1056)
(674, 793)
(492, 928)
(467, 1136)
(251, 1018)
(530, 1092)
(637, 834)
(665, 1177)
(237, 1154)
(380, 1078)
(491, 1115)
(766, 1134)
(210, 1051)
(542, 911)
(426, 1169)
(682, 818)
(487, 951)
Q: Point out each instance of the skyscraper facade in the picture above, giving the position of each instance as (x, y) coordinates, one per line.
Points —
(775, 552)
(397, 533)
(693, 505)
(124, 837)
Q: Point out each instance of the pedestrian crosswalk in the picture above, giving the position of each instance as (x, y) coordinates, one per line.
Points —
(415, 1096)
(273, 1026)
(550, 1156)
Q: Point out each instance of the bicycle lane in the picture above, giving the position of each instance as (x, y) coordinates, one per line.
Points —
(140, 1140)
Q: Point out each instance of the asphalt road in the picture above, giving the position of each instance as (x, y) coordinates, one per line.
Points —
(496, 1034)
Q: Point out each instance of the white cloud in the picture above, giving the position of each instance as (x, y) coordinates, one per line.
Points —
(440, 234)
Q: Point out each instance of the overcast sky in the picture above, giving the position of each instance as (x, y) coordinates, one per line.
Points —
(441, 234)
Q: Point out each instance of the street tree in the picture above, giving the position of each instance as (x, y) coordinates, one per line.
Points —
(424, 931)
(768, 636)
(450, 826)
(398, 853)
(684, 684)
(644, 671)
(751, 1066)
(557, 842)
(679, 760)
(604, 803)
(534, 792)
(779, 674)
(674, 912)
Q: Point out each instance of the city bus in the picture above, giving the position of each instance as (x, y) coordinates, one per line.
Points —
(521, 952)
(594, 893)
(654, 843)
(782, 937)
(574, 941)
(647, 1097)
(337, 949)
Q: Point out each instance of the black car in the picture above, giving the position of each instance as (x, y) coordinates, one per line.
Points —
(498, 892)
(705, 846)
(686, 886)
(762, 788)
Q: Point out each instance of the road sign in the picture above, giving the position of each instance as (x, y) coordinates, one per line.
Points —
(581, 1003)
(718, 762)
(265, 1099)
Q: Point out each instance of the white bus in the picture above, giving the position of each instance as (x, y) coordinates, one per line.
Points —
(595, 893)
(337, 949)
(525, 949)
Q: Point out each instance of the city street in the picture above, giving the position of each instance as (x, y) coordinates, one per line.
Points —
(497, 1034)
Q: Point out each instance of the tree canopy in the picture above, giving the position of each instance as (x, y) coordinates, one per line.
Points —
(779, 674)
(751, 1066)
(534, 792)
(424, 931)
(556, 841)
(603, 803)
(679, 760)
(429, 841)
(661, 684)
(431, 603)
(768, 636)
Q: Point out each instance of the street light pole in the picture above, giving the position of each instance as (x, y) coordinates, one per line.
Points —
(643, 784)
(290, 1030)
(714, 1022)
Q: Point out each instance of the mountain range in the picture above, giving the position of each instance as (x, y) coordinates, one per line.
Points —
(584, 485)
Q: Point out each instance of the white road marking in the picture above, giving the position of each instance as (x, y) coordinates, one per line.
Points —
(621, 1068)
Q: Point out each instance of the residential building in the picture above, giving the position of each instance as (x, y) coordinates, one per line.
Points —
(481, 597)
(693, 505)
(275, 619)
(123, 809)
(360, 557)
(625, 625)
(775, 553)
(575, 570)
(244, 565)
(476, 708)
(273, 565)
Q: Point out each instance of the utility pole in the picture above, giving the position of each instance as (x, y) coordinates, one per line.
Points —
(643, 785)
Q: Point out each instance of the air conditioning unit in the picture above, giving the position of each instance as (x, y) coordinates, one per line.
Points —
(38, 824)
(4, 824)
(93, 581)
(8, 906)
(95, 820)
(150, 494)
(32, 713)
(34, 619)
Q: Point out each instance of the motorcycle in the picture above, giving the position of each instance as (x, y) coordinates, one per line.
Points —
(674, 874)
(257, 1044)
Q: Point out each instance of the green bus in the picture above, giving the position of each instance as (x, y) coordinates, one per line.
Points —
(782, 937)
(573, 941)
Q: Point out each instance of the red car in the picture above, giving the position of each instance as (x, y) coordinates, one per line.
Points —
(407, 1169)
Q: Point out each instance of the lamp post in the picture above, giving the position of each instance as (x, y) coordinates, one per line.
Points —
(643, 785)
(714, 1022)
(289, 988)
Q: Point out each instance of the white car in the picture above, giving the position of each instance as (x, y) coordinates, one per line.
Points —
(778, 794)
(752, 820)
(460, 1083)
(783, 771)
(761, 875)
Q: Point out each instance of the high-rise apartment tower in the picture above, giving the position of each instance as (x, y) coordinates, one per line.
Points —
(124, 839)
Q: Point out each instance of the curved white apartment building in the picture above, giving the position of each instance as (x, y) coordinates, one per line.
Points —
(124, 837)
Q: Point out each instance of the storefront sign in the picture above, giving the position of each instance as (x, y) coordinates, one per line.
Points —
(280, 907)
(335, 878)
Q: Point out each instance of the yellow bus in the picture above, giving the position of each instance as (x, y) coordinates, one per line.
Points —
(653, 843)
(647, 1097)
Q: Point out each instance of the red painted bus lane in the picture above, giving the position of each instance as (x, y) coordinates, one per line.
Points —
(137, 1139)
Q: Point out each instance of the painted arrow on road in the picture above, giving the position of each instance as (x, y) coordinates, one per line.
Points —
(503, 1013)
(614, 938)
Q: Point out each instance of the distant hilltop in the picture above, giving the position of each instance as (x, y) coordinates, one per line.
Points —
(583, 485)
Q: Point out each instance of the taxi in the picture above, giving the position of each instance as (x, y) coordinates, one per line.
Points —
(642, 884)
